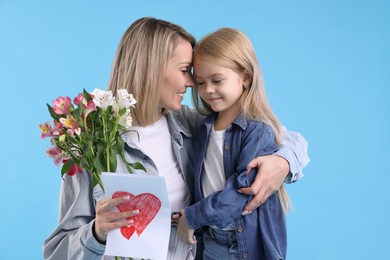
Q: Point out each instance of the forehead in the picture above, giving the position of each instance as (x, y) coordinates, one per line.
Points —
(182, 52)
(207, 69)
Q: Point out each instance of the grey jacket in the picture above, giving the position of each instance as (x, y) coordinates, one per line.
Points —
(73, 238)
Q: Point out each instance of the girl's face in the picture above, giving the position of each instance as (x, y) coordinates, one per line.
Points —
(177, 77)
(218, 86)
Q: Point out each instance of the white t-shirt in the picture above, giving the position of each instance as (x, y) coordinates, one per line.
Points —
(213, 176)
(155, 141)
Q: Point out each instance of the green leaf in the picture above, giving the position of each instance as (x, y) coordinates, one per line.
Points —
(112, 159)
(65, 168)
(99, 160)
(137, 166)
(87, 95)
(78, 112)
(53, 114)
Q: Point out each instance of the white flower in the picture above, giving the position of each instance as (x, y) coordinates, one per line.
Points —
(102, 98)
(126, 120)
(125, 99)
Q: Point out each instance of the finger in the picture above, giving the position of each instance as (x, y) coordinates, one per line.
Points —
(108, 204)
(255, 163)
(247, 190)
(117, 201)
(122, 215)
(117, 224)
(175, 217)
(255, 187)
(191, 239)
(256, 201)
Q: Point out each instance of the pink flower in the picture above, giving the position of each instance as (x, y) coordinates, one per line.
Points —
(70, 123)
(57, 131)
(80, 98)
(74, 169)
(90, 107)
(46, 129)
(62, 105)
(56, 153)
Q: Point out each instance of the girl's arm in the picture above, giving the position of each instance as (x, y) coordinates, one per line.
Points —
(221, 207)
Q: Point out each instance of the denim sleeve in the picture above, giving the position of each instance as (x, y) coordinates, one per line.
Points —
(73, 238)
(295, 150)
(221, 207)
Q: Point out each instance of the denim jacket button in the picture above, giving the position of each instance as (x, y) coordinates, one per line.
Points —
(226, 147)
(239, 229)
(245, 255)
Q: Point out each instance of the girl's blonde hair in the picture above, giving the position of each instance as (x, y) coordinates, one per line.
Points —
(232, 49)
(140, 63)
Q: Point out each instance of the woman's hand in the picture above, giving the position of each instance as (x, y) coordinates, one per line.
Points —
(184, 232)
(106, 220)
(271, 172)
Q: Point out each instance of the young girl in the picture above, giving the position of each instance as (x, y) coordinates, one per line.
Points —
(240, 126)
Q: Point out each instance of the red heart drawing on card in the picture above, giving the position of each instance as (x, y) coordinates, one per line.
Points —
(148, 205)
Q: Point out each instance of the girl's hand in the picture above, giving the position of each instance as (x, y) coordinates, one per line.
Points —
(184, 232)
(106, 220)
(175, 217)
(271, 172)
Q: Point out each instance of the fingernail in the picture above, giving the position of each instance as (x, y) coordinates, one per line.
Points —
(239, 191)
(130, 221)
(127, 197)
(246, 212)
(136, 211)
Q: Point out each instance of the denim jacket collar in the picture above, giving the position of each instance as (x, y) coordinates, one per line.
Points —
(239, 121)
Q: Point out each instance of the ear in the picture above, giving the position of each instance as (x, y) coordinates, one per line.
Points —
(247, 81)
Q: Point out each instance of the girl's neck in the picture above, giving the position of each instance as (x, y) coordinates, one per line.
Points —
(225, 118)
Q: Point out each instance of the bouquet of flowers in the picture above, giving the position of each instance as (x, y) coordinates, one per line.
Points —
(86, 134)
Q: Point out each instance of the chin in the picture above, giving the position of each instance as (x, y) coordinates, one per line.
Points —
(174, 107)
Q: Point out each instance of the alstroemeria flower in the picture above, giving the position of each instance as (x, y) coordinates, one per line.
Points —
(125, 99)
(80, 98)
(57, 128)
(90, 107)
(74, 169)
(62, 105)
(70, 123)
(46, 129)
(56, 154)
(126, 120)
(102, 99)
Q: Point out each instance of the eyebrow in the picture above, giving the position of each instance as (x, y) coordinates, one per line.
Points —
(185, 63)
(213, 75)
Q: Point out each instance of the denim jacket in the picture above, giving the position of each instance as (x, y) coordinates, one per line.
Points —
(73, 238)
(261, 234)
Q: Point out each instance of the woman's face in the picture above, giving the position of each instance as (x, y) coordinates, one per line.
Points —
(177, 77)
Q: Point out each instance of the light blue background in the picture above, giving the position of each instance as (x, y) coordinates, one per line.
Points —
(326, 70)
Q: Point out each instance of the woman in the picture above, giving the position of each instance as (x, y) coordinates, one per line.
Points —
(153, 62)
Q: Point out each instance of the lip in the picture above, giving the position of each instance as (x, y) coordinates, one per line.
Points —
(180, 94)
(213, 99)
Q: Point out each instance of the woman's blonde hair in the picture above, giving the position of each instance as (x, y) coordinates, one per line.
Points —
(140, 63)
(232, 49)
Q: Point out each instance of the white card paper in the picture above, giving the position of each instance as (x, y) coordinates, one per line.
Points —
(148, 236)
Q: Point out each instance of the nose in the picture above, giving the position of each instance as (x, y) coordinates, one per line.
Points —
(209, 88)
(190, 81)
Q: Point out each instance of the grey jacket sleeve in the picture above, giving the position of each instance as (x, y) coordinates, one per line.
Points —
(295, 150)
(73, 238)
